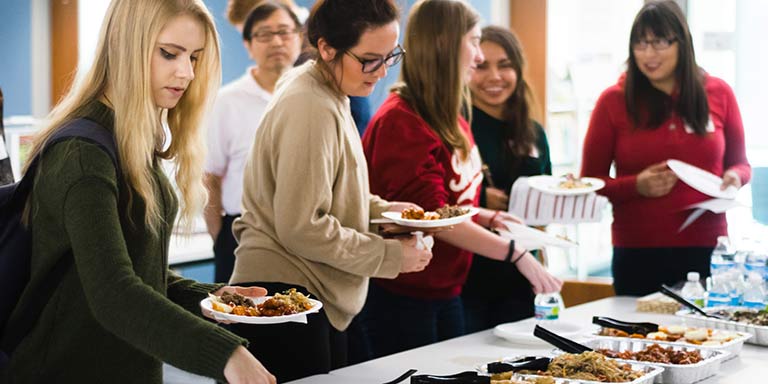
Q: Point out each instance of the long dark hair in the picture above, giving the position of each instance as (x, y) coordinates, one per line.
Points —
(519, 131)
(647, 106)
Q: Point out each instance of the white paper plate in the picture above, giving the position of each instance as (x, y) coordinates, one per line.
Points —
(701, 180)
(551, 185)
(532, 238)
(396, 217)
(300, 317)
(521, 332)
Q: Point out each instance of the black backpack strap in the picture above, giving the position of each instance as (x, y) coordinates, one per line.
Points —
(83, 129)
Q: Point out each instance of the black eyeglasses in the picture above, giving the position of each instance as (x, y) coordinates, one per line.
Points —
(659, 44)
(373, 65)
(267, 36)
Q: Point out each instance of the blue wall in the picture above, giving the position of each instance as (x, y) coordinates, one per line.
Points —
(16, 56)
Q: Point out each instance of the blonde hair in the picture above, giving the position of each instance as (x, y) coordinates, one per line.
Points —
(123, 56)
(431, 80)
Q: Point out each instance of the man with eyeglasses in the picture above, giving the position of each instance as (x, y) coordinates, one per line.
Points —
(272, 37)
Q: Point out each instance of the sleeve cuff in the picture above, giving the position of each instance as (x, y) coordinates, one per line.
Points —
(393, 260)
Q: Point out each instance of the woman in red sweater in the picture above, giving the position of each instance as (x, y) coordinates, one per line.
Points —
(419, 148)
(664, 107)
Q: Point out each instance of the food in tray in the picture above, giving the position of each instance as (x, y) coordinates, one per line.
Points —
(746, 316)
(446, 212)
(573, 182)
(657, 303)
(655, 353)
(591, 366)
(679, 333)
(281, 304)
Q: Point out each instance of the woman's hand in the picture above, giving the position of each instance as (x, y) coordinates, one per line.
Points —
(242, 367)
(730, 178)
(656, 180)
(245, 291)
(541, 280)
(496, 199)
(414, 259)
(495, 219)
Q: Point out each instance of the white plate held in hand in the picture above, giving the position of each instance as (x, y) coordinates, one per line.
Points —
(701, 180)
(397, 218)
(551, 185)
(300, 317)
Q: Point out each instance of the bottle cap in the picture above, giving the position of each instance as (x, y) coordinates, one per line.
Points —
(693, 276)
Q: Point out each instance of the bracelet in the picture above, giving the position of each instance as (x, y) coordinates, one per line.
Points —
(520, 257)
(510, 252)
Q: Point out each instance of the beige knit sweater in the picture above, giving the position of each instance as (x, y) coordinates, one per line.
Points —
(306, 201)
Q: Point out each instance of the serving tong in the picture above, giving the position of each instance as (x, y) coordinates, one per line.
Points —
(668, 291)
(532, 363)
(558, 341)
(626, 326)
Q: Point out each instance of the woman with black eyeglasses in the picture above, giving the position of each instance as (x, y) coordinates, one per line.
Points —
(306, 202)
(664, 107)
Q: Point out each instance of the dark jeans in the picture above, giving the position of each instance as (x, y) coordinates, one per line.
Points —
(640, 271)
(395, 323)
(224, 250)
(291, 351)
(495, 293)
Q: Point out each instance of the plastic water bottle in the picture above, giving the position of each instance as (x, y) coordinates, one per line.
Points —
(548, 306)
(693, 291)
(722, 257)
(755, 262)
(720, 293)
(737, 285)
(754, 295)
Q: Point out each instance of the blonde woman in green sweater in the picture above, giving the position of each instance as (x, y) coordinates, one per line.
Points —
(119, 311)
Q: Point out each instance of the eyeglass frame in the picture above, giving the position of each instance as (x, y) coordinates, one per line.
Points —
(268, 35)
(398, 56)
(643, 44)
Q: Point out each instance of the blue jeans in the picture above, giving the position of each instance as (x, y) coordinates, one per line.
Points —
(395, 323)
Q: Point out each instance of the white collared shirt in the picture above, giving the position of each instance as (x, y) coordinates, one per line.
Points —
(232, 125)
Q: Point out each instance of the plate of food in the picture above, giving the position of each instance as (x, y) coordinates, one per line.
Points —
(701, 180)
(441, 217)
(567, 185)
(289, 306)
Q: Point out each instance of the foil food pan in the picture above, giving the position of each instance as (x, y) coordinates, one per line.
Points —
(650, 373)
(673, 373)
(759, 332)
(734, 346)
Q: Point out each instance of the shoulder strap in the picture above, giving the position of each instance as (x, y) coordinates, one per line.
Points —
(82, 129)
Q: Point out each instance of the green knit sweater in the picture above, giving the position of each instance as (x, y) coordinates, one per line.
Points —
(119, 311)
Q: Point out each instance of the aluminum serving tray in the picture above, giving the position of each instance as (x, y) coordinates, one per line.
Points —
(759, 332)
(734, 346)
(650, 373)
(673, 373)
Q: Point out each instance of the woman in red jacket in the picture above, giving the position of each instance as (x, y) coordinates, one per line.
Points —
(419, 149)
(664, 107)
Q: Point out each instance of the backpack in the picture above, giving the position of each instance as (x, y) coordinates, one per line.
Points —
(16, 241)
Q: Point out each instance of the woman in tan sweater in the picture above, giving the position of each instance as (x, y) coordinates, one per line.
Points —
(306, 200)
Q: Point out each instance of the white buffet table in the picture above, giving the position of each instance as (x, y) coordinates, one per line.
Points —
(465, 353)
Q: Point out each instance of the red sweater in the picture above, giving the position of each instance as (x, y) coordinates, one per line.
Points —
(654, 222)
(407, 161)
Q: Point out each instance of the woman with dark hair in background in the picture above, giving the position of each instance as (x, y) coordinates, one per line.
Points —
(306, 201)
(511, 145)
(420, 149)
(6, 174)
(664, 107)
